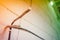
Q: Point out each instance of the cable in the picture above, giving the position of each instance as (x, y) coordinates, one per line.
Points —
(21, 28)
(20, 16)
(30, 32)
(13, 13)
(16, 20)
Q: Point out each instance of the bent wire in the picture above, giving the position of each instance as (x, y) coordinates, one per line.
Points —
(31, 33)
(23, 28)
(16, 20)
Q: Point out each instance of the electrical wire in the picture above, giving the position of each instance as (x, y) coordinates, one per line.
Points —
(50, 19)
(10, 10)
(15, 13)
(25, 29)
(17, 19)
(30, 32)
(18, 15)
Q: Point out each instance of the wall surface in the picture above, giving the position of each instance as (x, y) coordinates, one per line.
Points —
(39, 20)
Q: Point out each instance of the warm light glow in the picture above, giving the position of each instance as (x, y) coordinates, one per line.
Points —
(30, 8)
(51, 3)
